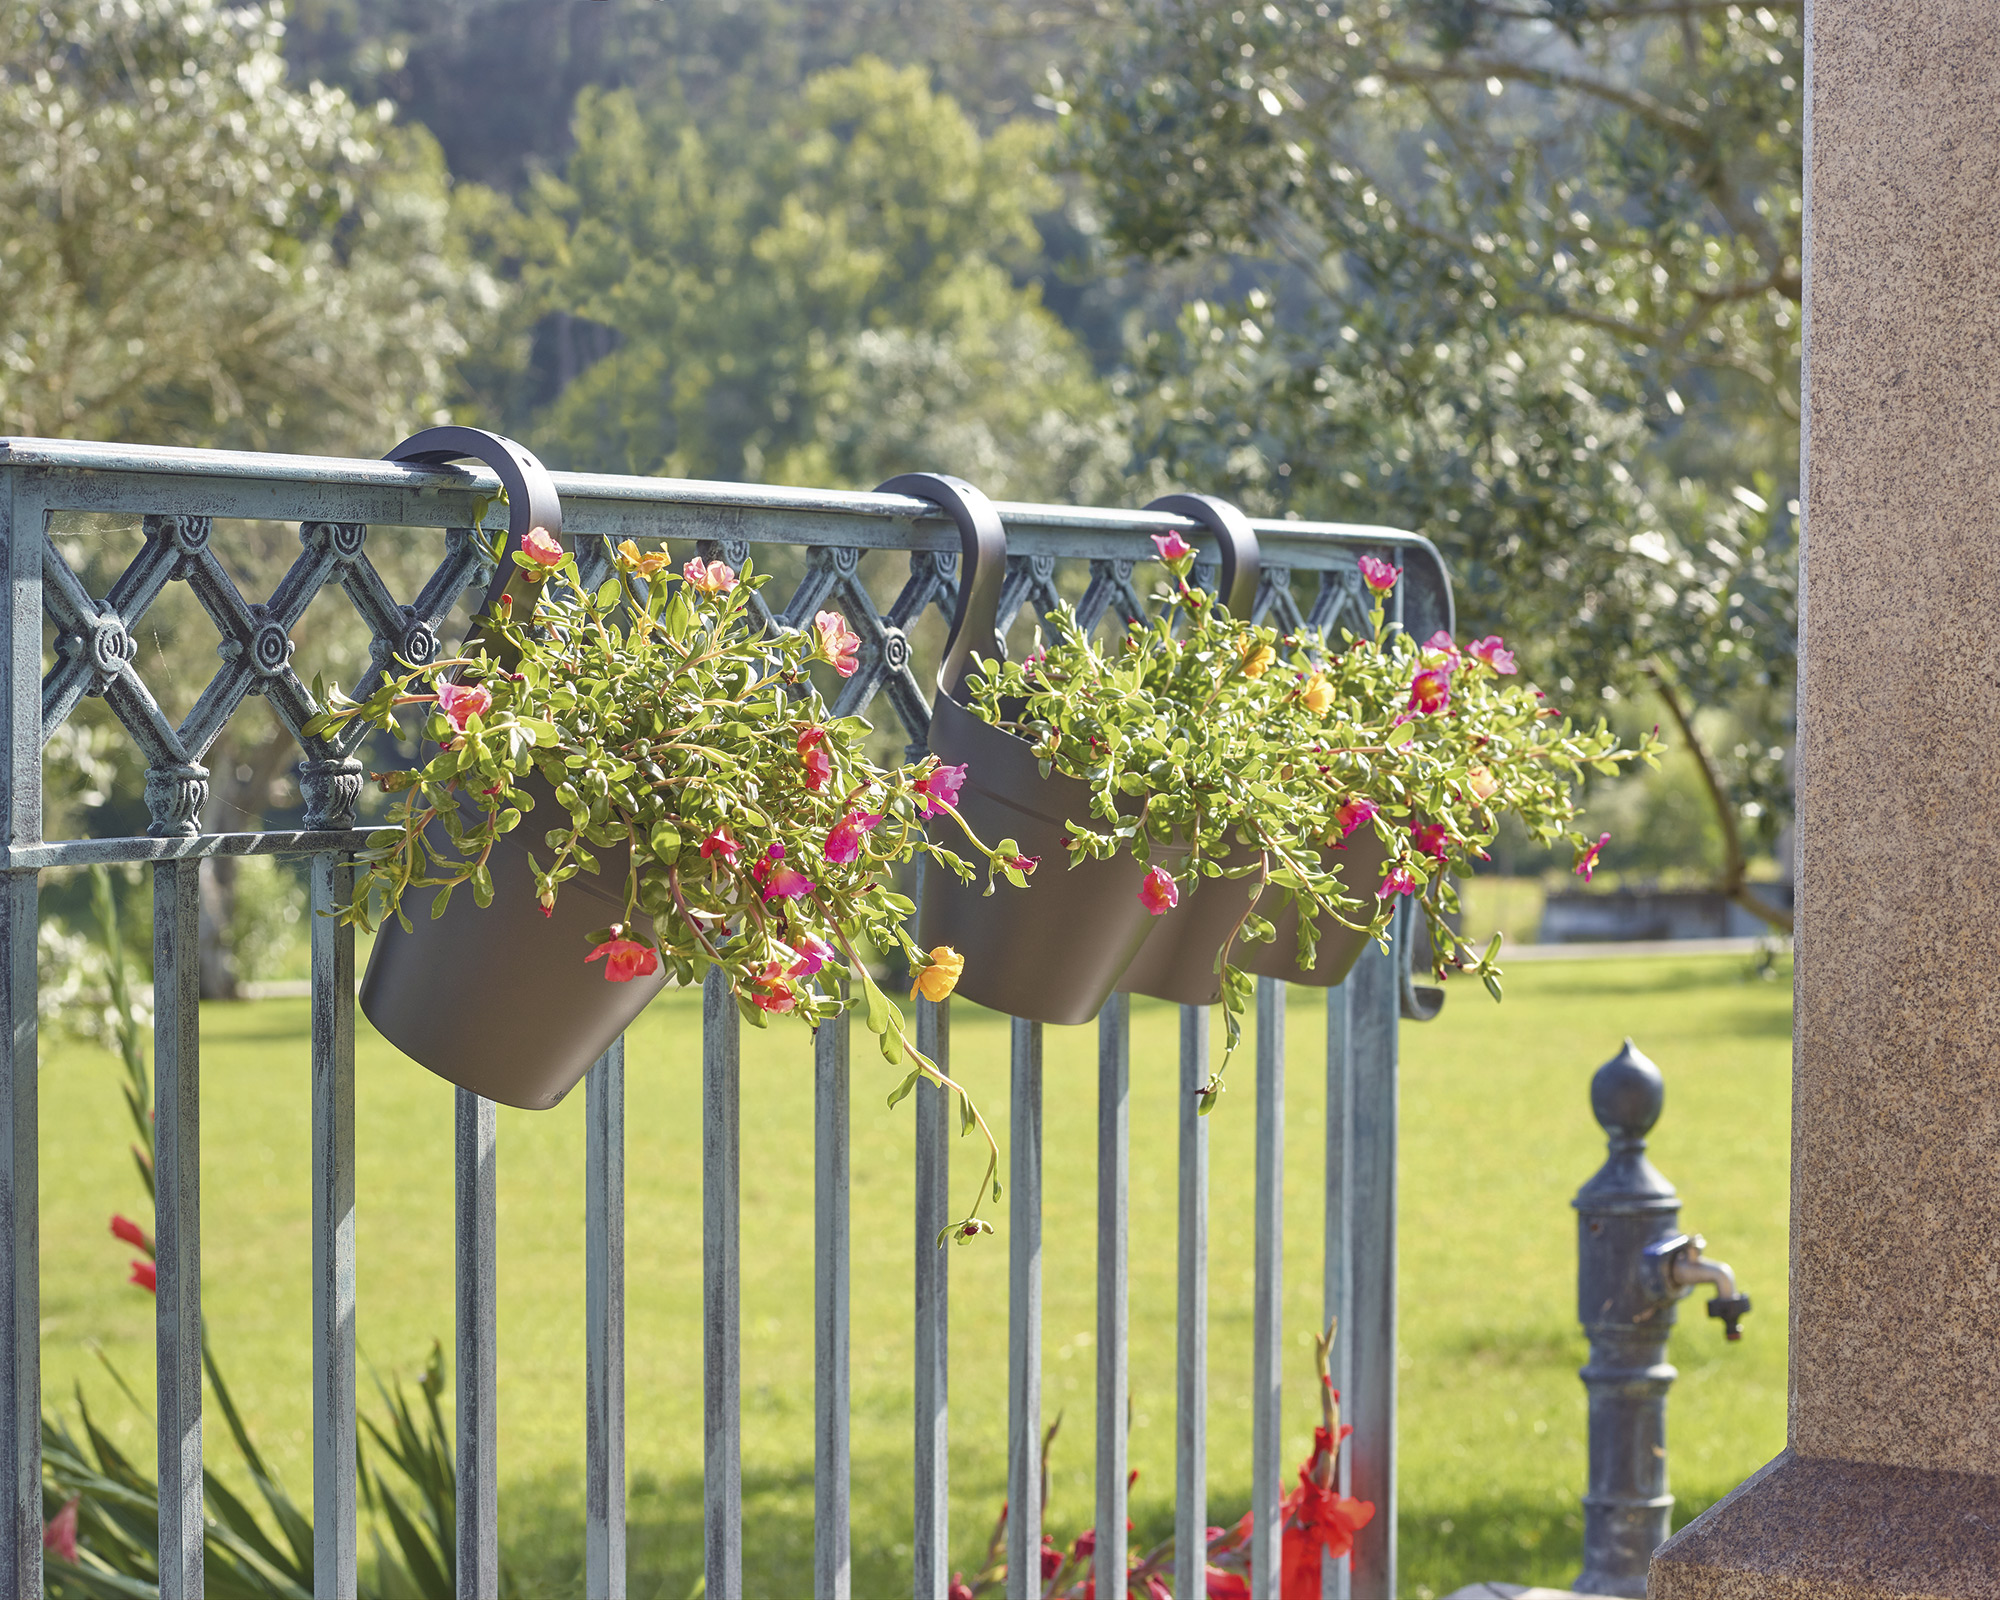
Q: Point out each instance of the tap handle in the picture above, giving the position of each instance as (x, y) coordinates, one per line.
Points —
(1731, 1309)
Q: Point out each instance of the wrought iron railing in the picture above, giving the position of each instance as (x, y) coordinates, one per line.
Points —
(180, 495)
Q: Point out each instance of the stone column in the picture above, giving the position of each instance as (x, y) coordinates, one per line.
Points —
(1890, 1485)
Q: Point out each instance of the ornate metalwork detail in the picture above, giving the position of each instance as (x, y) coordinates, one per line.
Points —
(270, 649)
(419, 645)
(188, 535)
(895, 649)
(332, 791)
(174, 798)
(341, 540)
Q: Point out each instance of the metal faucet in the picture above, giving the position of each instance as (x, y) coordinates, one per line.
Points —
(1633, 1266)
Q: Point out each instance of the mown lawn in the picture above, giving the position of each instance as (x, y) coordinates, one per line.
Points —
(1496, 1137)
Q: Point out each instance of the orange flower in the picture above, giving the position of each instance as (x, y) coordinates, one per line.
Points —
(644, 564)
(1316, 694)
(936, 981)
(1256, 659)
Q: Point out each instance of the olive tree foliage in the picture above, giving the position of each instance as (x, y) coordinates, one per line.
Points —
(1523, 274)
(815, 290)
(198, 252)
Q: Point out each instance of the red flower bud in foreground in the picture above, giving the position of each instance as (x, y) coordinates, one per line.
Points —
(1172, 547)
(625, 959)
(144, 1275)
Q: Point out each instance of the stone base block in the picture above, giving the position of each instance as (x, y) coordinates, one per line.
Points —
(1805, 1529)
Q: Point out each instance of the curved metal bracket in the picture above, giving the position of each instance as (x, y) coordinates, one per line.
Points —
(532, 501)
(981, 572)
(1242, 565)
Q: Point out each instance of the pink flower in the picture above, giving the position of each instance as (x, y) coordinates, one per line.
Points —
(1025, 865)
(543, 548)
(937, 789)
(1172, 547)
(125, 1228)
(1586, 861)
(770, 992)
(1353, 812)
(1441, 643)
(718, 846)
(1397, 880)
(625, 959)
(1494, 654)
(1430, 839)
(59, 1537)
(960, 1589)
(779, 881)
(843, 840)
(1430, 691)
(1159, 894)
(1052, 1559)
(710, 577)
(839, 645)
(1379, 575)
(144, 1275)
(812, 751)
(814, 953)
(459, 704)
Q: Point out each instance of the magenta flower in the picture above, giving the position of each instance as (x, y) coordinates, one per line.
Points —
(779, 881)
(1496, 655)
(937, 789)
(459, 703)
(770, 992)
(1397, 880)
(818, 764)
(843, 839)
(1586, 861)
(1353, 812)
(839, 645)
(625, 959)
(543, 548)
(718, 846)
(1441, 643)
(1379, 575)
(813, 953)
(1430, 839)
(1430, 692)
(1172, 547)
(1159, 894)
(1025, 865)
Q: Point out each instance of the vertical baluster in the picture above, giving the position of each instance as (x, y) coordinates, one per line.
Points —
(1338, 1293)
(20, 1236)
(1268, 1351)
(830, 1362)
(721, 1290)
(1371, 1322)
(604, 1326)
(1191, 1320)
(1114, 1122)
(933, 1284)
(177, 1214)
(335, 1555)
(1024, 1318)
(477, 1337)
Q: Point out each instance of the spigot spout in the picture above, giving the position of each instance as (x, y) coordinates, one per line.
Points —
(1687, 1267)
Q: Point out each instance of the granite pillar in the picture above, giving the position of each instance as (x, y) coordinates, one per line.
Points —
(1890, 1485)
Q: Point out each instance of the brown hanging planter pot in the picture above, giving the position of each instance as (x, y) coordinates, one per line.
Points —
(1053, 951)
(500, 1000)
(1178, 960)
(1361, 865)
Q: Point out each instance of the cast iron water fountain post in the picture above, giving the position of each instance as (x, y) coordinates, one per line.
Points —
(1633, 1265)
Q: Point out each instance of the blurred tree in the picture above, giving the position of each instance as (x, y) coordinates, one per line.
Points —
(1521, 273)
(816, 291)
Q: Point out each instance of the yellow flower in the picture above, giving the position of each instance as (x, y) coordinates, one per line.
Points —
(646, 564)
(1481, 782)
(938, 979)
(1256, 659)
(1316, 694)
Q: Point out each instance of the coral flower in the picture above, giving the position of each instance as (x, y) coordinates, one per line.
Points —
(710, 577)
(543, 548)
(1353, 812)
(145, 1276)
(1172, 547)
(718, 846)
(937, 789)
(1586, 861)
(818, 764)
(1257, 660)
(1430, 692)
(59, 1537)
(1481, 782)
(625, 959)
(459, 704)
(1430, 839)
(770, 992)
(941, 976)
(1316, 694)
(1494, 654)
(779, 881)
(1397, 880)
(1379, 575)
(813, 953)
(125, 1228)
(839, 645)
(1159, 894)
(843, 839)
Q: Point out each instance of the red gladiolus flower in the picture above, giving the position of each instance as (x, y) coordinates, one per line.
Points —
(818, 764)
(1353, 812)
(1397, 880)
(1052, 1559)
(1379, 575)
(710, 577)
(839, 645)
(1494, 654)
(813, 953)
(625, 959)
(718, 846)
(459, 703)
(1586, 861)
(778, 881)
(1159, 894)
(843, 840)
(125, 1228)
(960, 1589)
(1430, 692)
(1172, 547)
(1430, 838)
(1227, 1585)
(937, 789)
(145, 1276)
(59, 1537)
(543, 548)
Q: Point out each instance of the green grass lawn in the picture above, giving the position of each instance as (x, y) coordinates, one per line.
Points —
(1496, 1137)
